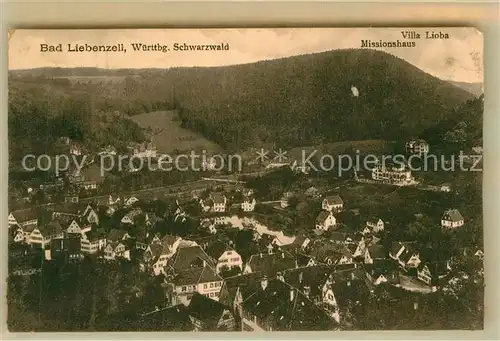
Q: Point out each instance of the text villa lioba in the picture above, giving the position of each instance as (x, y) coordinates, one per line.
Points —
(409, 39)
(139, 47)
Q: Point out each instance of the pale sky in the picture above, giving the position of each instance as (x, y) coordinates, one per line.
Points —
(459, 58)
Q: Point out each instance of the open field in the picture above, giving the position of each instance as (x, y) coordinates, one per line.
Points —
(169, 136)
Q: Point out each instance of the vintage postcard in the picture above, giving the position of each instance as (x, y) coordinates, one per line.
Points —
(277, 179)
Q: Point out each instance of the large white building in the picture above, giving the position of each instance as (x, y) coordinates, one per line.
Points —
(393, 173)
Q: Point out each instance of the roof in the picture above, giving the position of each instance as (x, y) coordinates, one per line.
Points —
(196, 275)
(217, 249)
(69, 208)
(334, 200)
(71, 245)
(285, 308)
(452, 215)
(247, 283)
(217, 197)
(94, 235)
(206, 310)
(50, 229)
(271, 264)
(396, 246)
(174, 318)
(312, 276)
(116, 235)
(169, 240)
(25, 215)
(322, 217)
(187, 257)
(329, 252)
(377, 251)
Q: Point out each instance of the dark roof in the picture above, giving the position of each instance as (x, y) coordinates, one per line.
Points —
(271, 264)
(216, 249)
(206, 310)
(377, 251)
(25, 215)
(196, 275)
(396, 246)
(285, 308)
(452, 215)
(169, 240)
(247, 283)
(68, 244)
(322, 217)
(116, 235)
(312, 276)
(94, 235)
(69, 208)
(174, 318)
(326, 251)
(50, 229)
(190, 256)
(334, 200)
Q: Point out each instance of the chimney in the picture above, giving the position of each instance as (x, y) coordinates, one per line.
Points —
(415, 305)
(263, 283)
(261, 255)
(292, 294)
(301, 277)
(283, 255)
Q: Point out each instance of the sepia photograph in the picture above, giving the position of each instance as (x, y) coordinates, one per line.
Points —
(245, 180)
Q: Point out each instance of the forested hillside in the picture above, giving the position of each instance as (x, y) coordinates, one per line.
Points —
(303, 100)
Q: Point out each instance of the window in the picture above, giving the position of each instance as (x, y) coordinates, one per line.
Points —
(183, 288)
(211, 294)
(229, 253)
(211, 285)
(205, 286)
(194, 287)
(330, 296)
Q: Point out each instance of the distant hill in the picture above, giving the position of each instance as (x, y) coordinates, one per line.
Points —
(353, 94)
(474, 88)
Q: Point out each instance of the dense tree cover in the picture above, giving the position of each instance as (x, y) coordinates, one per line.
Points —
(309, 95)
(463, 128)
(36, 124)
(90, 295)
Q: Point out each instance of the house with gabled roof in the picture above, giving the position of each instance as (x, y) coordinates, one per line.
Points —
(329, 253)
(325, 221)
(158, 253)
(193, 279)
(23, 217)
(333, 203)
(405, 254)
(417, 146)
(277, 306)
(43, 234)
(189, 257)
(248, 204)
(114, 250)
(207, 314)
(374, 252)
(451, 219)
(93, 241)
(375, 225)
(129, 218)
(216, 202)
(226, 256)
